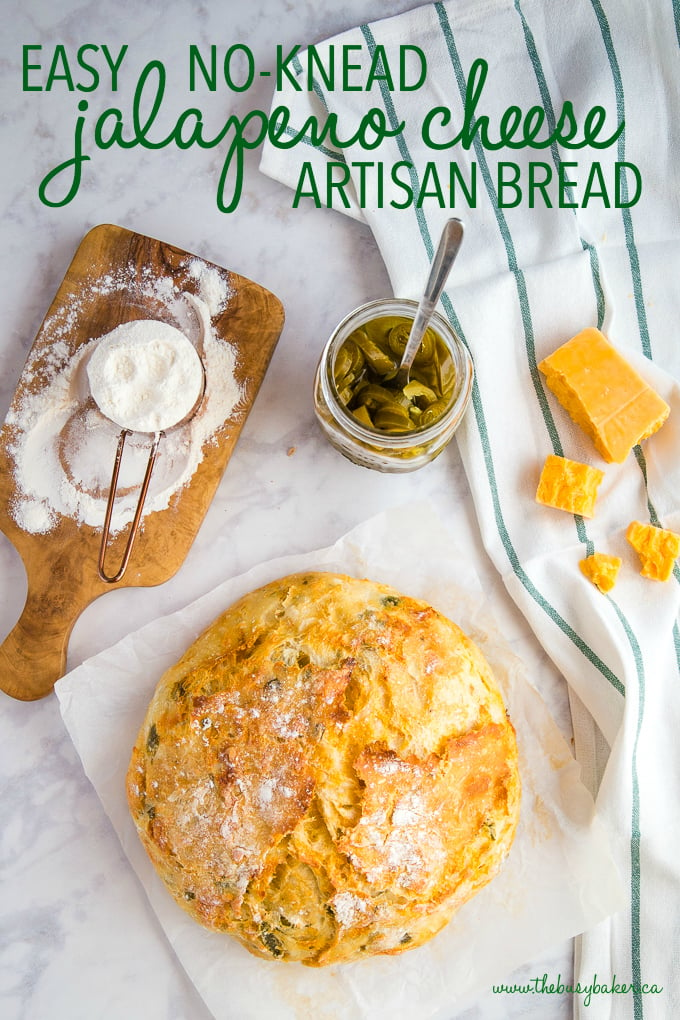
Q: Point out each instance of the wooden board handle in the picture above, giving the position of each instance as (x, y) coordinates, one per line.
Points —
(33, 655)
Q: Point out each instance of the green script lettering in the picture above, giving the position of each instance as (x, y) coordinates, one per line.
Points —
(511, 121)
(75, 163)
(241, 133)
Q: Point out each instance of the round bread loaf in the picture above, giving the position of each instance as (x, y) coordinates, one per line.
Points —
(328, 772)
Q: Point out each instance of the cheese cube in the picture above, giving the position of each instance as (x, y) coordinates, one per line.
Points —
(656, 547)
(603, 394)
(568, 485)
(601, 569)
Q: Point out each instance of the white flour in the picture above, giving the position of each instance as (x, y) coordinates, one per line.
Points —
(145, 375)
(63, 447)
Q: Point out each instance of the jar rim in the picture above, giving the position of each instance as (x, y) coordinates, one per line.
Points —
(459, 352)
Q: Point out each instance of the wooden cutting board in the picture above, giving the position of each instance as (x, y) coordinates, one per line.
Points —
(61, 564)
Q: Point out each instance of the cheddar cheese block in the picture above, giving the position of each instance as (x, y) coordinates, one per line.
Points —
(601, 569)
(603, 394)
(569, 485)
(657, 548)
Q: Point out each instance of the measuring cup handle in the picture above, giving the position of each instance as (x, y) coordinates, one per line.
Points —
(113, 578)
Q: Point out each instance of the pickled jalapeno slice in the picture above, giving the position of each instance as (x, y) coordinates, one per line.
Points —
(366, 364)
(378, 359)
(397, 339)
(432, 413)
(374, 396)
(392, 418)
(361, 414)
(343, 363)
(418, 392)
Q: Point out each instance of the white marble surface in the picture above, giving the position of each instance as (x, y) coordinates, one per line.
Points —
(77, 937)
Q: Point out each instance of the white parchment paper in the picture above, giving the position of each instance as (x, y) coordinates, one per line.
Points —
(558, 880)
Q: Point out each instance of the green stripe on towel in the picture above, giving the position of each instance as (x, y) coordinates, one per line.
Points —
(621, 155)
(552, 123)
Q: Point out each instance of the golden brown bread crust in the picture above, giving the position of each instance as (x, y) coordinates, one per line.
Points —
(328, 772)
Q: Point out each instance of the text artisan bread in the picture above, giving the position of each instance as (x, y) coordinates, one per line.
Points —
(328, 772)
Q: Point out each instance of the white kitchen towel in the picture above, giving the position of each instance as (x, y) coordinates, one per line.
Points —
(531, 274)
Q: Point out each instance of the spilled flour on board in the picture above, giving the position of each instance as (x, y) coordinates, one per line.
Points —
(63, 447)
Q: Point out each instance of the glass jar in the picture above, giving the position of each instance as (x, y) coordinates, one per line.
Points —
(369, 446)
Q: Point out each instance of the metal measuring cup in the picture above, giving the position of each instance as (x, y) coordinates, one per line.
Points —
(126, 341)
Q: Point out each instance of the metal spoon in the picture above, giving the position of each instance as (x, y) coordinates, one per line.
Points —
(449, 244)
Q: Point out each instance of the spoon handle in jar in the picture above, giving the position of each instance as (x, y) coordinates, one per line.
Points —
(444, 257)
